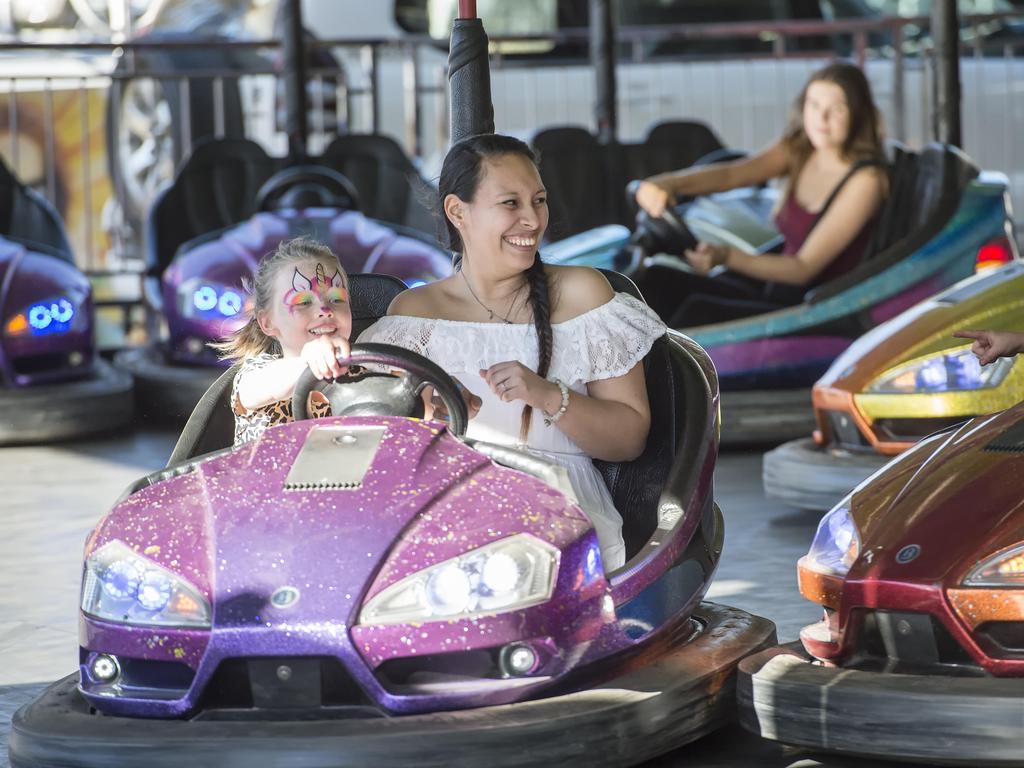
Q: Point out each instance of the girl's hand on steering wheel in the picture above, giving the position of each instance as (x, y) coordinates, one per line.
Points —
(514, 381)
(653, 197)
(706, 257)
(321, 355)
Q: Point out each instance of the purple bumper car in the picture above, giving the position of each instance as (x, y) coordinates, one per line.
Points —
(375, 589)
(53, 384)
(232, 204)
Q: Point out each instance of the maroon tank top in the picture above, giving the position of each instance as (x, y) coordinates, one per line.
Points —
(795, 224)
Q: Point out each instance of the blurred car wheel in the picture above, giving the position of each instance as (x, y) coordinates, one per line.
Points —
(146, 131)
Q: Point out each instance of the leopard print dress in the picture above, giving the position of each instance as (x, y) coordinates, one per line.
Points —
(250, 424)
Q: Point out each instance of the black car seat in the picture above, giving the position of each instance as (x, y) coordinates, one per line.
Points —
(389, 184)
(28, 218)
(669, 146)
(211, 426)
(925, 191)
(576, 169)
(215, 188)
(680, 399)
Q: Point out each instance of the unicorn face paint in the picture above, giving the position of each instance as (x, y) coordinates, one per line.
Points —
(312, 301)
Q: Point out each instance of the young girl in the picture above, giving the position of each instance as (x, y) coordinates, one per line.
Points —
(301, 319)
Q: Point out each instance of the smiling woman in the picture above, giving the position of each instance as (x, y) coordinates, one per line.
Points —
(552, 351)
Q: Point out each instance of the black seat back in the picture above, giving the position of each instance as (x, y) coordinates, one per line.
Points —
(212, 423)
(215, 188)
(669, 146)
(925, 191)
(388, 182)
(586, 180)
(28, 218)
(679, 398)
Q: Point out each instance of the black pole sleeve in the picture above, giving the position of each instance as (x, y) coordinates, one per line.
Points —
(946, 110)
(294, 73)
(602, 58)
(469, 80)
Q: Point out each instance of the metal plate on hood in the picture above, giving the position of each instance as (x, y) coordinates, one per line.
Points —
(334, 457)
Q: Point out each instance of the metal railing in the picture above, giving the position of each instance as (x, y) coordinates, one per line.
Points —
(58, 114)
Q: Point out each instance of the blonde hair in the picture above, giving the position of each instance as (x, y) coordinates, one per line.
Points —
(864, 141)
(250, 340)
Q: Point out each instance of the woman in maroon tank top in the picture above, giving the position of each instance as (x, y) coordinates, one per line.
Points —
(833, 163)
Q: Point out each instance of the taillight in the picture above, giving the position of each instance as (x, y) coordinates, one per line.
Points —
(993, 254)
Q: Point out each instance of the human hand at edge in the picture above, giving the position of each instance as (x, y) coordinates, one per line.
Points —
(989, 346)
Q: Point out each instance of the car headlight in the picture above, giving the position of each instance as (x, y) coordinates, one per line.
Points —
(836, 543)
(505, 575)
(206, 300)
(42, 318)
(950, 371)
(1004, 569)
(123, 586)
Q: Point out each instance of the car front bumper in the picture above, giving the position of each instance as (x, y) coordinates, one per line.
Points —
(662, 699)
(784, 695)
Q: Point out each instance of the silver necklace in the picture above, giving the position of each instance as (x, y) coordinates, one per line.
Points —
(491, 314)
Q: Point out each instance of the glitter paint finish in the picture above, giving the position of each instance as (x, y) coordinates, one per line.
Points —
(955, 501)
(231, 529)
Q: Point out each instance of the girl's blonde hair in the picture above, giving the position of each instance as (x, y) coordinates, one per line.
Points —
(250, 340)
(864, 141)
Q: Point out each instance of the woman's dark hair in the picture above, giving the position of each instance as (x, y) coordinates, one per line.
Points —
(461, 174)
(864, 141)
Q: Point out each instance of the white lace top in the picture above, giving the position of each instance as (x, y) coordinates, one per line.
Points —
(600, 344)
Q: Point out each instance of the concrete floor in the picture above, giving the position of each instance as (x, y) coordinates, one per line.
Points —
(51, 496)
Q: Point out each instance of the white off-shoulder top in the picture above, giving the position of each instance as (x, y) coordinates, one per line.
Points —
(602, 343)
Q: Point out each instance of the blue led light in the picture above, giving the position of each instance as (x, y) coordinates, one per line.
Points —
(52, 316)
(966, 370)
(62, 311)
(121, 580)
(205, 298)
(230, 304)
(933, 376)
(154, 591)
(415, 283)
(39, 317)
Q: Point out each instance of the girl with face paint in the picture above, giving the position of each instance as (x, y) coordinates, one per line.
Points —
(301, 318)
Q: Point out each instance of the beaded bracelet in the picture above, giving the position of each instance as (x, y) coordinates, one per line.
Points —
(551, 419)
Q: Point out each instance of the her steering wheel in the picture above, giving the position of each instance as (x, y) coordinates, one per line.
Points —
(373, 393)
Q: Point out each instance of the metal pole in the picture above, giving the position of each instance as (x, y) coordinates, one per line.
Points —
(469, 76)
(296, 114)
(946, 109)
(602, 58)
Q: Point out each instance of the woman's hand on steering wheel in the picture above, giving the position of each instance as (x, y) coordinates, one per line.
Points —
(322, 353)
(438, 410)
(706, 257)
(653, 197)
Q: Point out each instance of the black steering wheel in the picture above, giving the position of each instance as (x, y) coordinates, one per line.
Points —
(369, 393)
(667, 233)
(307, 186)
